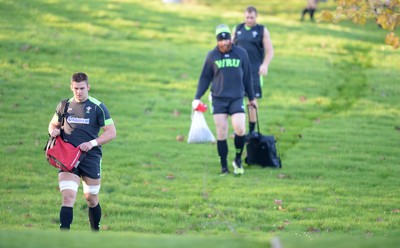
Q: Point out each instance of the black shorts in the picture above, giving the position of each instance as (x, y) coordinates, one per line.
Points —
(227, 106)
(257, 84)
(89, 167)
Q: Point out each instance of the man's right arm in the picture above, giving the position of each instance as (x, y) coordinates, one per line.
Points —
(54, 126)
(205, 78)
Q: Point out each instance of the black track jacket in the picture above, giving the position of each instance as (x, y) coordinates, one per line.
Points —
(228, 73)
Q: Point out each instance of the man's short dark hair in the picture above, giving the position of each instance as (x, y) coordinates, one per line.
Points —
(251, 9)
(79, 77)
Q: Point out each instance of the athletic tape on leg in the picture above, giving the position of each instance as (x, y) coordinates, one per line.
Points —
(68, 185)
(91, 189)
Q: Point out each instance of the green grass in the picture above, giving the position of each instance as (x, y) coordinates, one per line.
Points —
(331, 99)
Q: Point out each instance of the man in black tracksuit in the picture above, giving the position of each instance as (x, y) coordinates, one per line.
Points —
(227, 69)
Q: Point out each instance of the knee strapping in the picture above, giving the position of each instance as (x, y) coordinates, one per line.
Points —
(68, 185)
(91, 189)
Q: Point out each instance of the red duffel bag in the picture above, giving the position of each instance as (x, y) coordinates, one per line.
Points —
(63, 155)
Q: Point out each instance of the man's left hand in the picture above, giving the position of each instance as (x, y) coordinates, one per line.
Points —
(86, 146)
(253, 103)
(263, 70)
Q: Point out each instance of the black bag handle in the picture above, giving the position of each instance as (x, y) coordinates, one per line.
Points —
(248, 111)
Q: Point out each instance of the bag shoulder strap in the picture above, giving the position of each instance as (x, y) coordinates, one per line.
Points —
(63, 108)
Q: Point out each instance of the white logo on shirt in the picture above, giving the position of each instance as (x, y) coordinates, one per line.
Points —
(77, 120)
(88, 110)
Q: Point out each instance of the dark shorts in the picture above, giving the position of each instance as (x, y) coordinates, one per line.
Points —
(89, 167)
(257, 84)
(227, 106)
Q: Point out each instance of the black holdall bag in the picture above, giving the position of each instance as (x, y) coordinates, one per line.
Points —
(261, 149)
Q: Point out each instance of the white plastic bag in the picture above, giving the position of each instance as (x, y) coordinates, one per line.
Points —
(199, 131)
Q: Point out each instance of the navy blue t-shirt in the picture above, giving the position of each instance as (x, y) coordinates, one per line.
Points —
(82, 123)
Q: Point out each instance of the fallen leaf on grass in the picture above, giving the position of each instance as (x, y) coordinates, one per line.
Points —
(283, 176)
(279, 203)
(176, 113)
(170, 176)
(303, 99)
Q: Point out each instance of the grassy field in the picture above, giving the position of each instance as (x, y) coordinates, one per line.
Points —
(331, 99)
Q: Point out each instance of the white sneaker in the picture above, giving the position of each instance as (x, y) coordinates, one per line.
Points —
(237, 167)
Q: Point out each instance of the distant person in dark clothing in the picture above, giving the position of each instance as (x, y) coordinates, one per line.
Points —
(311, 8)
(227, 69)
(256, 40)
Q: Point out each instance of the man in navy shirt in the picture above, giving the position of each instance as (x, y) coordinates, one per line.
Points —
(227, 69)
(84, 118)
(256, 40)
